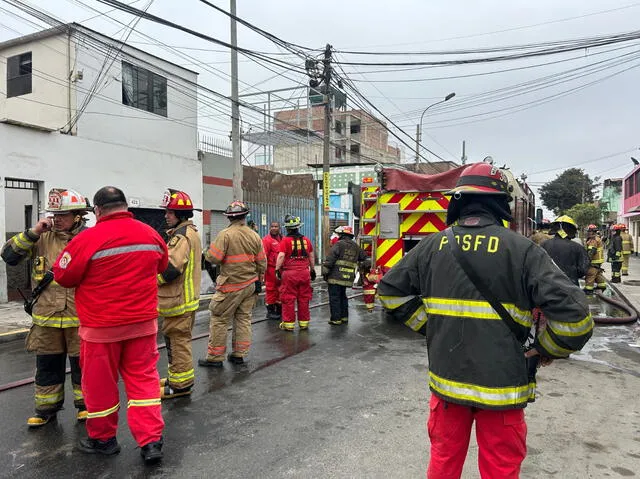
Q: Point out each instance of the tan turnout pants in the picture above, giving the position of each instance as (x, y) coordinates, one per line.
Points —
(235, 307)
(177, 337)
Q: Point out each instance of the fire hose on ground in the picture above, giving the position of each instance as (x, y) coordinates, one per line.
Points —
(631, 316)
(27, 381)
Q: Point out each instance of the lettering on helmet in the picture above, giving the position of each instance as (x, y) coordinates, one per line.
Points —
(166, 198)
(469, 242)
(55, 200)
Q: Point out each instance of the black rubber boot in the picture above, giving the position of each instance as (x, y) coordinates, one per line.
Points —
(235, 359)
(152, 452)
(209, 364)
(272, 312)
(96, 446)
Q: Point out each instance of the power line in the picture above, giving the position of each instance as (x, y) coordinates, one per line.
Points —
(538, 50)
(522, 27)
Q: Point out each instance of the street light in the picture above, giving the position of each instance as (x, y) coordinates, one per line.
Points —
(419, 125)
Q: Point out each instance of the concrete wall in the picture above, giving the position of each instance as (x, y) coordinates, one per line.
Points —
(107, 119)
(16, 200)
(47, 106)
(86, 165)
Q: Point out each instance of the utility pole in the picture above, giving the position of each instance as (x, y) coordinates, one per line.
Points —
(464, 152)
(418, 132)
(236, 144)
(322, 76)
(326, 157)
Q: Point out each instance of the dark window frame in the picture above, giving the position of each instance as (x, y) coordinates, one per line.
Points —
(144, 90)
(19, 74)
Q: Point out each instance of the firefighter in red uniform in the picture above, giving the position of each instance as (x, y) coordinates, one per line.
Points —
(179, 293)
(271, 246)
(478, 370)
(295, 267)
(114, 268)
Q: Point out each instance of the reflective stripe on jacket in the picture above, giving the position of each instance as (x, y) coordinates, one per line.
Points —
(627, 243)
(179, 284)
(238, 251)
(474, 358)
(341, 263)
(56, 306)
(114, 267)
(595, 250)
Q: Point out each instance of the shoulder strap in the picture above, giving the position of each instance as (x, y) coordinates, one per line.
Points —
(482, 287)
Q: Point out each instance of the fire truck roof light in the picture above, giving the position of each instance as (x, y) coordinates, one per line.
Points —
(367, 179)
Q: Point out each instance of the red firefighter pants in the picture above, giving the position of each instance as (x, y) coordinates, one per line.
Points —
(501, 437)
(296, 286)
(135, 359)
(271, 285)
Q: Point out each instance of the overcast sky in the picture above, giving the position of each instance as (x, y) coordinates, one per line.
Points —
(597, 121)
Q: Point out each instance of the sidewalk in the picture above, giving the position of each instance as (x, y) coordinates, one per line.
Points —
(15, 323)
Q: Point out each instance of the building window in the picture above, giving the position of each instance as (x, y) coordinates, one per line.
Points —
(636, 180)
(629, 187)
(19, 75)
(355, 128)
(143, 89)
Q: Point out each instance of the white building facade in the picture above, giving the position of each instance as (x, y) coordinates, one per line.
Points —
(80, 110)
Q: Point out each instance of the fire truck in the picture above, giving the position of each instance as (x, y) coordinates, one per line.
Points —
(399, 208)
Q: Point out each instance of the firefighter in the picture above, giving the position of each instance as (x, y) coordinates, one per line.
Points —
(627, 249)
(179, 292)
(477, 366)
(542, 233)
(54, 333)
(295, 268)
(271, 245)
(238, 250)
(339, 271)
(615, 253)
(570, 256)
(114, 267)
(595, 252)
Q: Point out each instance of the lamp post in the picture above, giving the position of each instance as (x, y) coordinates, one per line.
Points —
(419, 125)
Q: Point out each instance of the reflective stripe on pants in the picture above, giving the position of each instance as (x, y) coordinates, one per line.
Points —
(135, 360)
(295, 288)
(235, 307)
(501, 437)
(177, 333)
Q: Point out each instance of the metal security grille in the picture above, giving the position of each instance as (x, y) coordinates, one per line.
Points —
(16, 184)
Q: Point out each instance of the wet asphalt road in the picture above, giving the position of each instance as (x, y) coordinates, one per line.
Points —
(329, 402)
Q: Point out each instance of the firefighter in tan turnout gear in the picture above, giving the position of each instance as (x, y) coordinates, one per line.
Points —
(238, 250)
(179, 293)
(595, 250)
(627, 249)
(54, 334)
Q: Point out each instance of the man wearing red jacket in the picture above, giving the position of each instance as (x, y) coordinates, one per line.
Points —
(114, 267)
(271, 246)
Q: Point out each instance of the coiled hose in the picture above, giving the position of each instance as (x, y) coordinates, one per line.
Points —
(631, 316)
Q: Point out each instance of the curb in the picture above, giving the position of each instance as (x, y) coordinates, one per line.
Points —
(20, 334)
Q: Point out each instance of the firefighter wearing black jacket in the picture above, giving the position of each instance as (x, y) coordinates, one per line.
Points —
(339, 270)
(477, 365)
(615, 253)
(570, 257)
